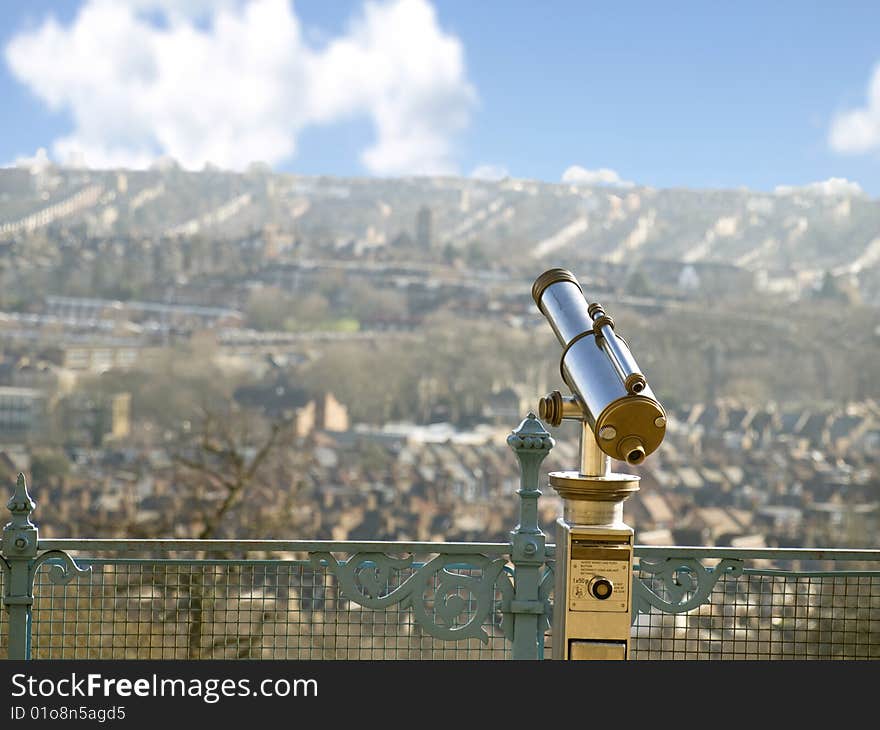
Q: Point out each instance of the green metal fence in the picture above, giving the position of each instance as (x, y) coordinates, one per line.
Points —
(726, 603)
(430, 601)
(241, 599)
(337, 601)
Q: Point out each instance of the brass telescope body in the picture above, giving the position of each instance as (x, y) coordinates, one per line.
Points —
(621, 419)
(608, 388)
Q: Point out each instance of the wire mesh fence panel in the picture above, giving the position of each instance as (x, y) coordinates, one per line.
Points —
(220, 609)
(769, 615)
(370, 605)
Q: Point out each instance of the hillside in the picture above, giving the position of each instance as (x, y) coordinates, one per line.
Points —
(514, 224)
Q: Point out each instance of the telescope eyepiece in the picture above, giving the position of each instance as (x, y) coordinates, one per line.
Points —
(635, 383)
(632, 449)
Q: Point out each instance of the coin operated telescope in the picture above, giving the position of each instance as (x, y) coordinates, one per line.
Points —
(619, 419)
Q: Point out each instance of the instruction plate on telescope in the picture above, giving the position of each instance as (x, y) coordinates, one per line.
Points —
(582, 575)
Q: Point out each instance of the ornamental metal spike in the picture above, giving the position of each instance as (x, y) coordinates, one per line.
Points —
(531, 442)
(20, 505)
(529, 426)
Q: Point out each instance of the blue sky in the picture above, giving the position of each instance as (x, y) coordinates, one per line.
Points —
(687, 94)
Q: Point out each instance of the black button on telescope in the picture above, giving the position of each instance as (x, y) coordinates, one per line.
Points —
(601, 588)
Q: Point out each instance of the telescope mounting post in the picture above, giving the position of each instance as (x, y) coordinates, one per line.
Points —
(619, 418)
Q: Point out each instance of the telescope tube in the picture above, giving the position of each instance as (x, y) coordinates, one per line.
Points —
(599, 368)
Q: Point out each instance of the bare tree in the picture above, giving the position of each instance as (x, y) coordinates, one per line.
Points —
(233, 452)
(228, 457)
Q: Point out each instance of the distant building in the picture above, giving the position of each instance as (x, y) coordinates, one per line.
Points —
(423, 227)
(22, 413)
(90, 421)
(98, 357)
(322, 414)
(120, 416)
(332, 415)
(181, 316)
(37, 374)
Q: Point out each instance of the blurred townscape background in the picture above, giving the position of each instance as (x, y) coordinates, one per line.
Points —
(273, 355)
(200, 345)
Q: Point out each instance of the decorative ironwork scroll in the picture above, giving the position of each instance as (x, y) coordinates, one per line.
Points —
(446, 603)
(63, 569)
(686, 581)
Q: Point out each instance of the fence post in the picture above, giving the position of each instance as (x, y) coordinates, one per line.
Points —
(531, 442)
(19, 548)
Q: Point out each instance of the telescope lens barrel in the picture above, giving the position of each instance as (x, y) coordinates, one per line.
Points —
(561, 299)
(599, 368)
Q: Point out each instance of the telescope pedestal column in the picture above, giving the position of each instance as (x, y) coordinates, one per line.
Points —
(594, 557)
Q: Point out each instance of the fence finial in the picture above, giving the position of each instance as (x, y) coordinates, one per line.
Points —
(531, 442)
(20, 505)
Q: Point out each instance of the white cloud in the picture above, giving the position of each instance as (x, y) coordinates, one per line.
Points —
(858, 130)
(490, 172)
(185, 8)
(577, 175)
(40, 161)
(243, 83)
(833, 186)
